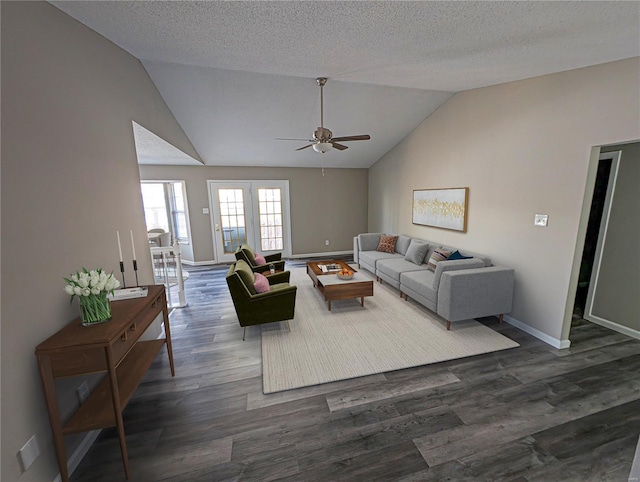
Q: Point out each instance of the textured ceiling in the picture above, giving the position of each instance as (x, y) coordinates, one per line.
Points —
(238, 74)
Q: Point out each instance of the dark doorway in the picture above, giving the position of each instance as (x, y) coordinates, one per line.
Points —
(591, 239)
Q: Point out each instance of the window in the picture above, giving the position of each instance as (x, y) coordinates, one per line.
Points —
(165, 207)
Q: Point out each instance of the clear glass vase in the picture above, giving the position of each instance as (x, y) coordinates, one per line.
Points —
(95, 309)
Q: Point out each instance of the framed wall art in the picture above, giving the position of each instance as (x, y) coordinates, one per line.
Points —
(441, 208)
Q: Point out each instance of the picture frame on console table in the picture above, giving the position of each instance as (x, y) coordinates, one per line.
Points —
(441, 208)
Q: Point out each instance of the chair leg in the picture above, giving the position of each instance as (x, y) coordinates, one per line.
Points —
(500, 318)
(288, 325)
(244, 332)
(448, 325)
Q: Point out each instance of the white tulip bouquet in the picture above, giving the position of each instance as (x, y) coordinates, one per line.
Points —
(91, 288)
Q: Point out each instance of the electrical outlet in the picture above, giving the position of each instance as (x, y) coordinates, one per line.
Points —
(29, 452)
(83, 392)
(326, 242)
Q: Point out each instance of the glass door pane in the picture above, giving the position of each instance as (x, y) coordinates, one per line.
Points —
(270, 213)
(232, 218)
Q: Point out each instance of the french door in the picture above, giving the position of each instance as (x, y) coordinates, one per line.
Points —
(252, 212)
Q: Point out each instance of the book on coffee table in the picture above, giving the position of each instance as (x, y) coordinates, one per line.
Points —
(329, 267)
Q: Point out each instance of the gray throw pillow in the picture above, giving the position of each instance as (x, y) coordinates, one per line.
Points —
(416, 251)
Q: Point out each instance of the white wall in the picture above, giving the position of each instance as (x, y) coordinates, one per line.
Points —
(523, 148)
(69, 181)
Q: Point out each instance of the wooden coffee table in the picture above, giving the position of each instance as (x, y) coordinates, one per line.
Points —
(333, 288)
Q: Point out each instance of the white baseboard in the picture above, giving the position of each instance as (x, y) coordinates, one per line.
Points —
(199, 263)
(554, 342)
(79, 453)
(319, 255)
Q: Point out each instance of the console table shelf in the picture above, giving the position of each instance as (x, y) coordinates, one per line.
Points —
(97, 410)
(112, 347)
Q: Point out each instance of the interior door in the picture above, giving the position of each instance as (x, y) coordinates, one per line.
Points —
(232, 217)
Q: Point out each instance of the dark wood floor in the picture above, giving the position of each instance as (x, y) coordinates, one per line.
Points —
(532, 413)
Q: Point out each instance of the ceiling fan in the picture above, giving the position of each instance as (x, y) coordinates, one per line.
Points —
(323, 139)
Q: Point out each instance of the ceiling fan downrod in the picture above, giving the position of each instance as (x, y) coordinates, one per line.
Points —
(321, 82)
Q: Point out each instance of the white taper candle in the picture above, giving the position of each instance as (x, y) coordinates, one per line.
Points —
(119, 246)
(133, 246)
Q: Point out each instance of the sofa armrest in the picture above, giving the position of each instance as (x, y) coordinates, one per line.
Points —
(473, 293)
(277, 278)
(356, 249)
(280, 292)
(279, 265)
(454, 265)
(270, 258)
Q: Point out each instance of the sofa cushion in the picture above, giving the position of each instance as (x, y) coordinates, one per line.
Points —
(402, 244)
(259, 259)
(261, 283)
(416, 251)
(369, 241)
(387, 244)
(246, 275)
(392, 267)
(420, 282)
(438, 255)
(372, 257)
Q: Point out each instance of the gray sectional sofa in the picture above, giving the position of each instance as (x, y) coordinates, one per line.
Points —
(456, 289)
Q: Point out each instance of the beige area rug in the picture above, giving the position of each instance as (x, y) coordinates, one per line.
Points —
(351, 341)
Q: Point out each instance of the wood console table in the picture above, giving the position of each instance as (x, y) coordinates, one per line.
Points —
(110, 347)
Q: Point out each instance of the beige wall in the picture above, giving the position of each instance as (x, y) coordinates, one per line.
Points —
(69, 181)
(522, 148)
(333, 206)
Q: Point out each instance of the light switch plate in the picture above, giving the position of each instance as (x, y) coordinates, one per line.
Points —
(541, 220)
(205, 210)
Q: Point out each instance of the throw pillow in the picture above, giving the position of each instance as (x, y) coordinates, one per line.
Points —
(402, 244)
(259, 259)
(438, 255)
(261, 284)
(456, 255)
(387, 244)
(416, 252)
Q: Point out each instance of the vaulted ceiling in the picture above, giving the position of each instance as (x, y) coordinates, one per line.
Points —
(238, 75)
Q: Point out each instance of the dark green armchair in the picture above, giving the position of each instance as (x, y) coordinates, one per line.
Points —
(245, 253)
(252, 308)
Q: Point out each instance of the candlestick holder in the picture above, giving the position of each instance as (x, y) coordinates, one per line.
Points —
(124, 284)
(135, 270)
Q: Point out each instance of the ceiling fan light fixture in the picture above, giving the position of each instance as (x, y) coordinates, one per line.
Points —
(322, 147)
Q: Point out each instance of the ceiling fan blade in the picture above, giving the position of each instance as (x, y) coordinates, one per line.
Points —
(283, 139)
(340, 147)
(364, 137)
(300, 148)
